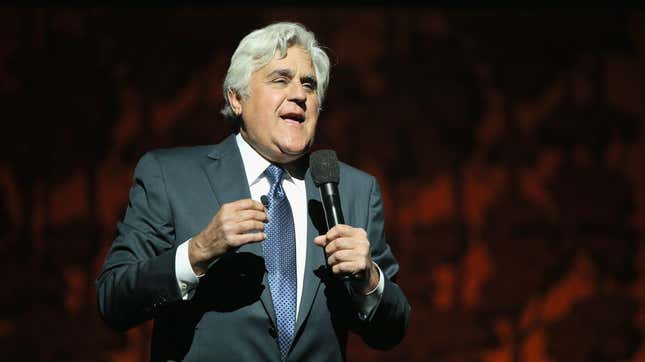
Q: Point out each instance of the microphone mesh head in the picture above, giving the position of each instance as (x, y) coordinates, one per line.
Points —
(324, 167)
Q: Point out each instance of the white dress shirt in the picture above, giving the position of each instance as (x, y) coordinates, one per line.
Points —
(254, 166)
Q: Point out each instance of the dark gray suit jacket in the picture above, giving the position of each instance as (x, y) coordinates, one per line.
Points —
(175, 194)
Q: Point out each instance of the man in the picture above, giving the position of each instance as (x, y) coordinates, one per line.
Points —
(227, 278)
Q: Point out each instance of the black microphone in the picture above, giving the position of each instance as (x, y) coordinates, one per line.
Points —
(326, 175)
(265, 201)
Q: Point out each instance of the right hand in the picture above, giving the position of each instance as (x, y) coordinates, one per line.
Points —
(235, 224)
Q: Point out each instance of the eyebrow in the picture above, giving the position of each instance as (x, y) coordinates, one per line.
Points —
(281, 72)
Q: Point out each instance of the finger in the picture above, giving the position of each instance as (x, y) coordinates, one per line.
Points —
(339, 230)
(345, 243)
(334, 232)
(242, 239)
(335, 245)
(320, 240)
(244, 215)
(342, 256)
(346, 268)
(249, 226)
(246, 204)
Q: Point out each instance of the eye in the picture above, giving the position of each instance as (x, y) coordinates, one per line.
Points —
(309, 85)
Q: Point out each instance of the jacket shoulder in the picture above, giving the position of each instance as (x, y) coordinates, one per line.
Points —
(180, 154)
(353, 172)
(194, 154)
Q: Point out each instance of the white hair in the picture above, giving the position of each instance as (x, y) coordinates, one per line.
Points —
(259, 47)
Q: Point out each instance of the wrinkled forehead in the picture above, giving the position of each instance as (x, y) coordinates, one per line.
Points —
(295, 58)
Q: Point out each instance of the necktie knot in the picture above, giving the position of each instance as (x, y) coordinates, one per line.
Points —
(274, 174)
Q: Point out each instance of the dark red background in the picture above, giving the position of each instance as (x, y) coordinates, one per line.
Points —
(509, 146)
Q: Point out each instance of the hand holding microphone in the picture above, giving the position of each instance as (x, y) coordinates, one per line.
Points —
(347, 248)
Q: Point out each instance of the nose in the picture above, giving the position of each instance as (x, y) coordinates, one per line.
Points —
(298, 95)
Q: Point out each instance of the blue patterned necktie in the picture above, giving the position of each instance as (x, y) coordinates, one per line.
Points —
(280, 258)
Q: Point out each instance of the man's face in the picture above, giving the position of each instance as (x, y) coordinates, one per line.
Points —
(281, 111)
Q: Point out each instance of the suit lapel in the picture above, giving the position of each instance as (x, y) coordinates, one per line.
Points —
(315, 255)
(228, 180)
(226, 173)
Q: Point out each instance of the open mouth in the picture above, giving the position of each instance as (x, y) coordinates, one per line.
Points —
(293, 117)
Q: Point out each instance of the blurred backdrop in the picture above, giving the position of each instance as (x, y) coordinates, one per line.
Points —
(509, 146)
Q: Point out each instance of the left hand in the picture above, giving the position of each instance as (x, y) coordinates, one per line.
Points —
(348, 252)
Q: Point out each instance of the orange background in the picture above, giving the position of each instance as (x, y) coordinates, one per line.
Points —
(509, 146)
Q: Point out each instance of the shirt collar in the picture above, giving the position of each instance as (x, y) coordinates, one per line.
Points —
(255, 164)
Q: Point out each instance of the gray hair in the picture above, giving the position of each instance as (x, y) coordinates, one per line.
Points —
(259, 47)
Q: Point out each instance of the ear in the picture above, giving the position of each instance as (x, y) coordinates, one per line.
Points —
(235, 102)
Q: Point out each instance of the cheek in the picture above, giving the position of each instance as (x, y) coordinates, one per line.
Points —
(312, 111)
(313, 105)
(265, 102)
(273, 101)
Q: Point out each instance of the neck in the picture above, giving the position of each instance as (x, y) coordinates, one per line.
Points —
(297, 168)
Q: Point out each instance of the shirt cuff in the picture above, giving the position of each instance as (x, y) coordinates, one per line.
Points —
(366, 304)
(187, 280)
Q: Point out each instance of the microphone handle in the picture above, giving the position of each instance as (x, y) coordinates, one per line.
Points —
(333, 214)
(331, 204)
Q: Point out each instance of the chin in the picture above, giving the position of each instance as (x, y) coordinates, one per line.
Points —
(296, 145)
(295, 151)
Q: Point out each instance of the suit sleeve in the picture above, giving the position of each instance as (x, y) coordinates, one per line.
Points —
(389, 322)
(138, 278)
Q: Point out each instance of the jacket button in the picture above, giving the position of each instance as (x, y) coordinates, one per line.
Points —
(272, 332)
